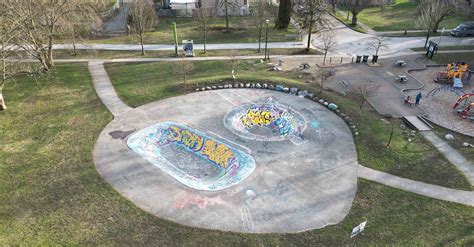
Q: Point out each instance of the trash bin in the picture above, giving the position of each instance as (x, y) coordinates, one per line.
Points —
(365, 58)
(375, 58)
(358, 58)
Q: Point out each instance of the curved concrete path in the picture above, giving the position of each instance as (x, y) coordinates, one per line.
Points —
(429, 190)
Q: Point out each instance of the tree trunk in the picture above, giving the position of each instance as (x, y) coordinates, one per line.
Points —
(428, 34)
(205, 38)
(226, 15)
(362, 101)
(324, 59)
(2, 84)
(141, 42)
(354, 19)
(284, 14)
(260, 37)
(310, 29)
(347, 17)
(74, 51)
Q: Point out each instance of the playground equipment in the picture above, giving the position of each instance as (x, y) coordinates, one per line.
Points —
(454, 71)
(447, 88)
(467, 104)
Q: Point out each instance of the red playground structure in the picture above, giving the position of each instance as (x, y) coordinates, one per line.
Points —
(465, 110)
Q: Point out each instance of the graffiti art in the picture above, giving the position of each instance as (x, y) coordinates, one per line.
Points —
(266, 120)
(192, 157)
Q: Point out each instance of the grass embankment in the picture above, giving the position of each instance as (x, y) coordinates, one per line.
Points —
(138, 84)
(401, 16)
(242, 30)
(114, 54)
(51, 194)
(448, 48)
(445, 58)
(459, 139)
(348, 22)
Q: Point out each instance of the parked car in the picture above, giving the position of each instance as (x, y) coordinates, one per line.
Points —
(464, 29)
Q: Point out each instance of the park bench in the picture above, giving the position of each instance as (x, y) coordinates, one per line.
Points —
(401, 63)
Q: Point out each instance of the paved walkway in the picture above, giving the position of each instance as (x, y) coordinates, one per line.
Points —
(452, 155)
(105, 89)
(429, 190)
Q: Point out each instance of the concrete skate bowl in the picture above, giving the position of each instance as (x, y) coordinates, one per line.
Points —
(191, 157)
(266, 121)
(179, 160)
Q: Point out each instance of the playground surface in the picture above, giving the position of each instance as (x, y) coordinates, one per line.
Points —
(438, 100)
(287, 164)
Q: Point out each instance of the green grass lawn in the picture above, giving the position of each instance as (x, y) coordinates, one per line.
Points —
(51, 194)
(401, 16)
(445, 58)
(468, 153)
(141, 83)
(242, 31)
(348, 22)
(448, 48)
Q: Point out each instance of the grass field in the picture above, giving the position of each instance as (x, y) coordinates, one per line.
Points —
(468, 153)
(448, 48)
(348, 22)
(51, 194)
(242, 30)
(445, 58)
(401, 16)
(138, 84)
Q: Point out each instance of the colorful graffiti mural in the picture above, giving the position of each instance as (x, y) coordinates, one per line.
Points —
(174, 148)
(281, 122)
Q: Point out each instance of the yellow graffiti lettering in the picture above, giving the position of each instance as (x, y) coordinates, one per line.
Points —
(256, 117)
(218, 153)
(191, 140)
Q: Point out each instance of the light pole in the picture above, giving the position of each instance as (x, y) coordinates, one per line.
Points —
(266, 40)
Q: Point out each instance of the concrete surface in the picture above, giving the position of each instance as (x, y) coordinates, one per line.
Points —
(429, 190)
(293, 188)
(105, 89)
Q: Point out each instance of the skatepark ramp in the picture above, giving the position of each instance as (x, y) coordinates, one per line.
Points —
(417, 123)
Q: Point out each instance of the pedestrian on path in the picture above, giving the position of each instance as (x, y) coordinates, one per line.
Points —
(418, 98)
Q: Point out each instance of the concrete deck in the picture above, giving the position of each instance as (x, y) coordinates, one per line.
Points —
(295, 187)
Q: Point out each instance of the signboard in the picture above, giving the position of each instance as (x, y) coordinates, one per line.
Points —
(358, 229)
(188, 48)
(431, 49)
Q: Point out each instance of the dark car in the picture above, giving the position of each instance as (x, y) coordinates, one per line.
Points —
(464, 29)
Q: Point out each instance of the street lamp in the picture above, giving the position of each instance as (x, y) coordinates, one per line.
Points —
(267, 55)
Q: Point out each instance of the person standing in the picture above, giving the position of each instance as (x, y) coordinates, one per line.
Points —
(418, 98)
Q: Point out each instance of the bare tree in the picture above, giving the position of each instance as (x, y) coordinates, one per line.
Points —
(312, 16)
(260, 13)
(323, 73)
(143, 17)
(328, 41)
(333, 4)
(355, 7)
(432, 12)
(376, 43)
(184, 68)
(40, 23)
(202, 16)
(8, 34)
(365, 90)
(86, 23)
